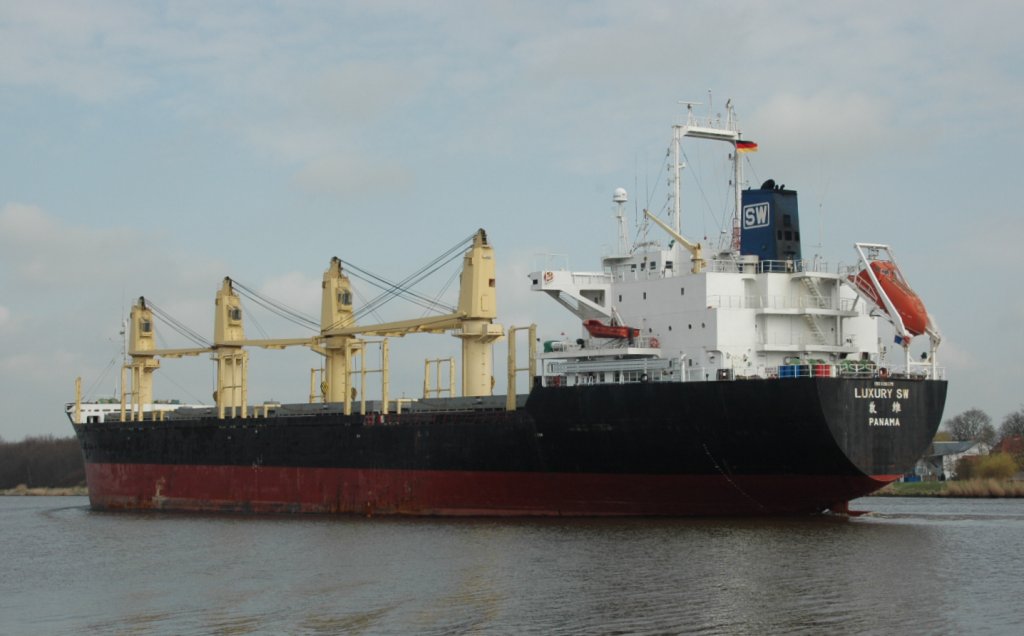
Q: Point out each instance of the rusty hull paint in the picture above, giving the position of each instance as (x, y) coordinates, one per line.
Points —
(459, 493)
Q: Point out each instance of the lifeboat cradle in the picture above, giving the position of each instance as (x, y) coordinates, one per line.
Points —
(885, 305)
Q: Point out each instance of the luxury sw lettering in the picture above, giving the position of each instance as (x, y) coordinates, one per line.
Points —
(881, 397)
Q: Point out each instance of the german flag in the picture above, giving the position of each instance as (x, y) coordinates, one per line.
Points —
(745, 146)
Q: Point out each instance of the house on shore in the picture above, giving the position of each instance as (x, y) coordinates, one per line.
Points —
(939, 462)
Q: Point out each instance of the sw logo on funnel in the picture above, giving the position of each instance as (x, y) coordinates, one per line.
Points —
(755, 215)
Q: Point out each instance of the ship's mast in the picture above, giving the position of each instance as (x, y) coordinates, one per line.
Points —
(737, 179)
(710, 128)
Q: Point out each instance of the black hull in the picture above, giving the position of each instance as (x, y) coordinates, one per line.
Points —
(754, 447)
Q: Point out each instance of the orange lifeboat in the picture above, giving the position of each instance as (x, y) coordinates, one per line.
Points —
(903, 298)
(598, 329)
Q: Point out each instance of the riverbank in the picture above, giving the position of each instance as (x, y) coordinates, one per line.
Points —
(24, 491)
(984, 488)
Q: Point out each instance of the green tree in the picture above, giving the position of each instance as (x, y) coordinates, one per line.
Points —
(973, 425)
(965, 467)
(997, 466)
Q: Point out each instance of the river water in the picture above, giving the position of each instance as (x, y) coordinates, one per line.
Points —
(923, 566)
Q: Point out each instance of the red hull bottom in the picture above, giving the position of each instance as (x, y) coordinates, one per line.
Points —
(462, 493)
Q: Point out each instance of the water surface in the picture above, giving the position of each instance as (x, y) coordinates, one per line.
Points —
(913, 566)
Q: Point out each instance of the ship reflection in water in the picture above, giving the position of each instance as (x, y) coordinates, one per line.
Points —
(912, 567)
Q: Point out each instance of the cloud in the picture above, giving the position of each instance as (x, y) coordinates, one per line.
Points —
(31, 366)
(43, 255)
(805, 123)
(67, 48)
(39, 251)
(296, 290)
(5, 315)
(349, 176)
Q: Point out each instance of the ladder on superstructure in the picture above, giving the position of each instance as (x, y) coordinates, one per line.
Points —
(821, 303)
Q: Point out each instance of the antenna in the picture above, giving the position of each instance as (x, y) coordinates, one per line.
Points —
(689, 107)
(620, 198)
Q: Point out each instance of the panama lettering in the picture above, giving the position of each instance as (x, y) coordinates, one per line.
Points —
(879, 396)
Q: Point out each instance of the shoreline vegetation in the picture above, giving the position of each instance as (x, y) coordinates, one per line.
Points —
(976, 488)
(40, 464)
(21, 490)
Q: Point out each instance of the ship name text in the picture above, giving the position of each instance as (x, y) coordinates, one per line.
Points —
(877, 393)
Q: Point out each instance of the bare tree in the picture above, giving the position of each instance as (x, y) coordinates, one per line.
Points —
(41, 461)
(973, 425)
(1013, 424)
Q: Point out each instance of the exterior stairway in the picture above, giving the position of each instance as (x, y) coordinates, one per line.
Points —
(818, 301)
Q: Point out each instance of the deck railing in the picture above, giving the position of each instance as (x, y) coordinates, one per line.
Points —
(723, 301)
(644, 371)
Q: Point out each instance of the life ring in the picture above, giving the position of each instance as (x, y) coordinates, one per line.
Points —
(549, 276)
(654, 343)
(883, 373)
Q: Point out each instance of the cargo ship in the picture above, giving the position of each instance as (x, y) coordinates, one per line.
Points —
(743, 380)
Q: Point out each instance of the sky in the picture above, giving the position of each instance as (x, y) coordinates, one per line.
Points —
(152, 148)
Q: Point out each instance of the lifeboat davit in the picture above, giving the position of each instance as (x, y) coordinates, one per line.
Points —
(903, 298)
(598, 329)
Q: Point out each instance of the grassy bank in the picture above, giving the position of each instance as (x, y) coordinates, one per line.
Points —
(24, 491)
(966, 488)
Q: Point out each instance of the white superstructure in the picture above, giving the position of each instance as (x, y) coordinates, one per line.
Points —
(730, 315)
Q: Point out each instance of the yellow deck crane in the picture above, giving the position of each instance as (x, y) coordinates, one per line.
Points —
(472, 322)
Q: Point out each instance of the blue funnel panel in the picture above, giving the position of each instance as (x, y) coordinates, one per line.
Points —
(770, 225)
